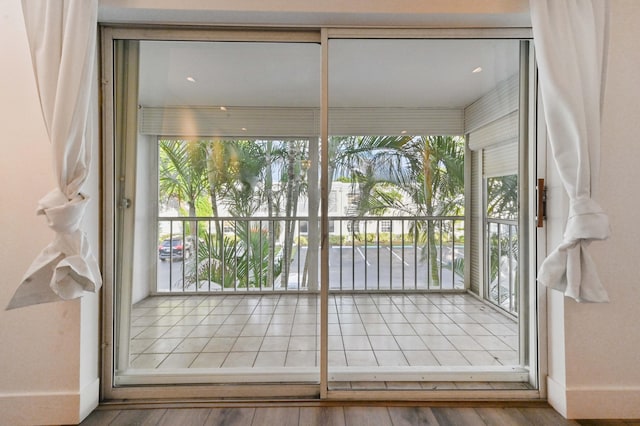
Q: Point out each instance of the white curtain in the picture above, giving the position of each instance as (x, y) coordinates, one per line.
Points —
(62, 41)
(570, 38)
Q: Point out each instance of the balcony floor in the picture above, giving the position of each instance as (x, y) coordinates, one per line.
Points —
(280, 330)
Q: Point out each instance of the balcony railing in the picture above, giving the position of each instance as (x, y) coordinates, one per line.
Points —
(235, 254)
(502, 259)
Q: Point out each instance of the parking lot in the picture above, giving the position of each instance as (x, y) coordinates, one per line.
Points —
(357, 268)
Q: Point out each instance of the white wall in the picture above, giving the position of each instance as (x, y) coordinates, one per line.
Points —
(603, 341)
(47, 359)
(145, 244)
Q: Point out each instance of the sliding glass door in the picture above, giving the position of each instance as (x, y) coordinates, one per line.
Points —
(314, 214)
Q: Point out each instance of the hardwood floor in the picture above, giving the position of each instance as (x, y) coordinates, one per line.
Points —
(347, 415)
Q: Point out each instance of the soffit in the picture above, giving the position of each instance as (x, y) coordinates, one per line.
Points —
(363, 73)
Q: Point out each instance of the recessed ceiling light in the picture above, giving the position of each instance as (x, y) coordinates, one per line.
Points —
(477, 70)
(191, 79)
(404, 132)
(223, 108)
(244, 129)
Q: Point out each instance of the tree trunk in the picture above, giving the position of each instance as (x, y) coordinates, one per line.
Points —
(292, 191)
(212, 175)
(431, 242)
(217, 224)
(268, 188)
(193, 225)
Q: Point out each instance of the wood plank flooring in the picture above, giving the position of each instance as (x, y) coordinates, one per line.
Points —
(347, 415)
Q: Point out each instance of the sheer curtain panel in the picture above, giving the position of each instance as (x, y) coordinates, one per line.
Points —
(62, 41)
(570, 39)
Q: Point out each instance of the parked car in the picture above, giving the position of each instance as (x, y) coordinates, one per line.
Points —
(175, 248)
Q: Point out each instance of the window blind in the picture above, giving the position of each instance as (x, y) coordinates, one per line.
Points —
(298, 122)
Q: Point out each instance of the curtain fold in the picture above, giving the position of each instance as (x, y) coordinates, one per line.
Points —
(570, 38)
(62, 41)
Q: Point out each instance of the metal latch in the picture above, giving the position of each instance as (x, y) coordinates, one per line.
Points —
(125, 203)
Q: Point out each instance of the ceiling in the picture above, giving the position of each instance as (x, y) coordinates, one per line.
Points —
(363, 73)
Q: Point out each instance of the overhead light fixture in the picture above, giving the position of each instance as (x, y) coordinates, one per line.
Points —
(244, 129)
(477, 70)
(222, 108)
(191, 79)
(404, 132)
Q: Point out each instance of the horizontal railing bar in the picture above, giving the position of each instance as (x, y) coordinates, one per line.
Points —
(258, 291)
(396, 218)
(502, 221)
(257, 218)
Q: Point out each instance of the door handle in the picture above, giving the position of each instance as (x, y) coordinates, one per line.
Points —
(542, 203)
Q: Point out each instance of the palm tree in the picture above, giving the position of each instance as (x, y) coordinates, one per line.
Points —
(442, 178)
(182, 174)
(236, 175)
(241, 176)
(428, 169)
(388, 170)
(234, 170)
(217, 177)
(502, 197)
(213, 265)
(293, 178)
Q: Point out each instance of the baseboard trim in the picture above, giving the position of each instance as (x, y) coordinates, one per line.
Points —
(89, 398)
(603, 403)
(53, 408)
(49, 408)
(594, 403)
(557, 396)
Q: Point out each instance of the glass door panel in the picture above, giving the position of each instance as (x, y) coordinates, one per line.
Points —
(402, 307)
(218, 281)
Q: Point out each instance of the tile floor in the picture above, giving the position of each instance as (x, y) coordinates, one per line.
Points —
(365, 330)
